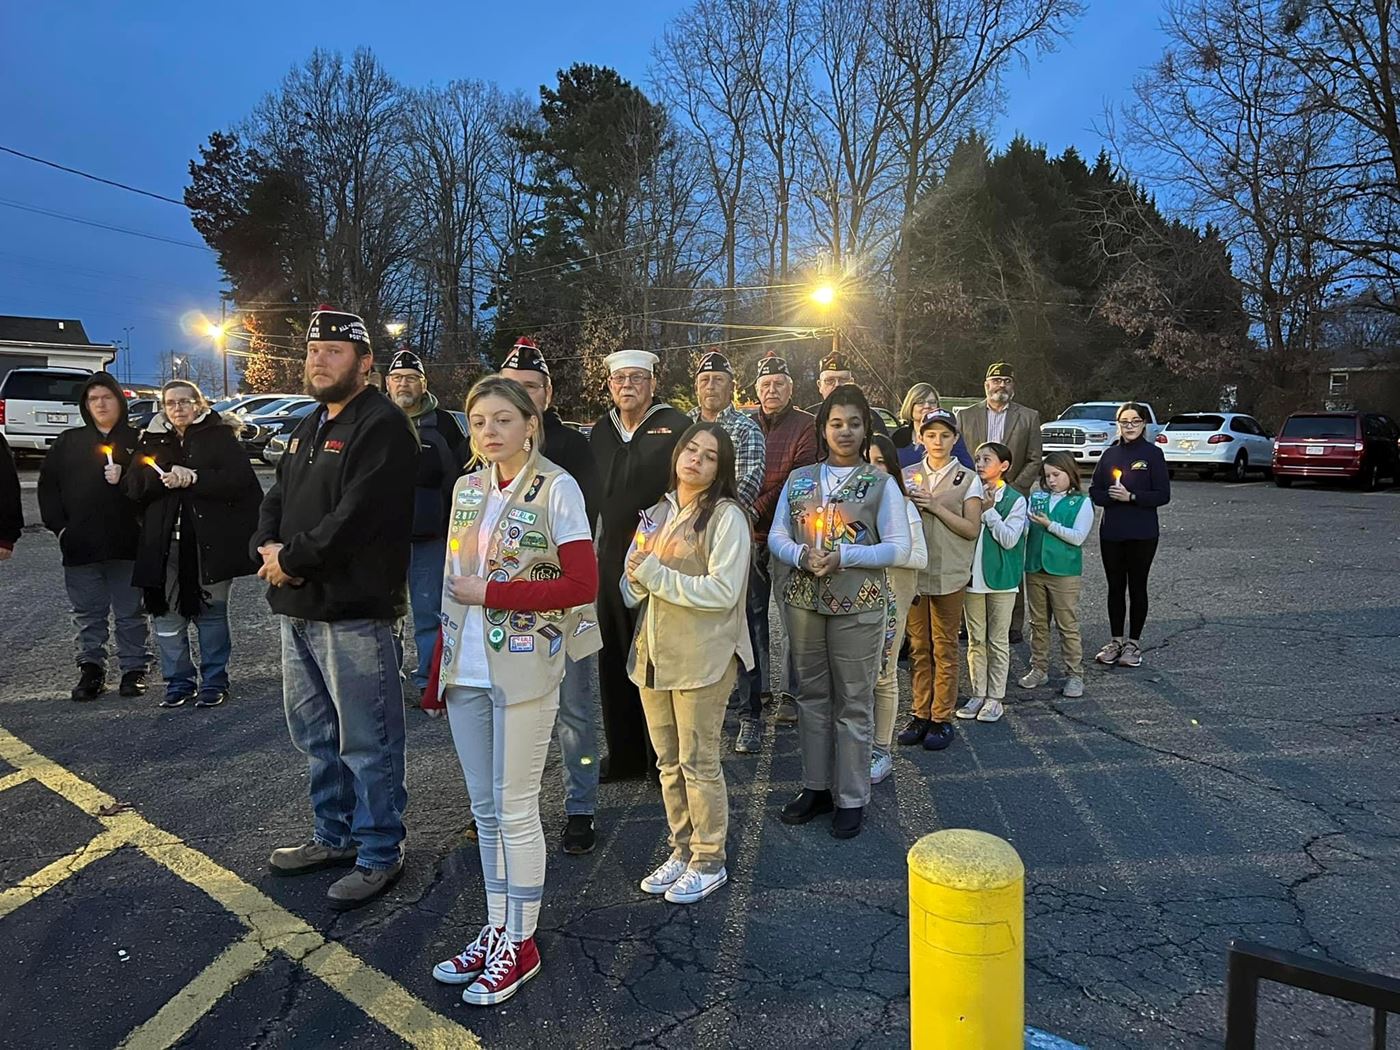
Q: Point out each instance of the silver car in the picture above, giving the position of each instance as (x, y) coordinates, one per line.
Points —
(1217, 442)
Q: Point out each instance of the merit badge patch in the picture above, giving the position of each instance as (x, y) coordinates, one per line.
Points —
(522, 643)
(800, 488)
(496, 638)
(553, 615)
(497, 616)
(498, 576)
(522, 621)
(584, 625)
(534, 541)
(535, 487)
(553, 637)
(525, 517)
(545, 571)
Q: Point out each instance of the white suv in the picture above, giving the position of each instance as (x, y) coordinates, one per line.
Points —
(38, 404)
(1086, 429)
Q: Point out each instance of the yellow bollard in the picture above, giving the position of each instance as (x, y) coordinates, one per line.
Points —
(966, 943)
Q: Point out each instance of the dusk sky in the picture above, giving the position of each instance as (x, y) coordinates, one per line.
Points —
(129, 92)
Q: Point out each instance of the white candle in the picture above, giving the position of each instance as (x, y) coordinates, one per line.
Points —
(108, 450)
(456, 557)
(156, 466)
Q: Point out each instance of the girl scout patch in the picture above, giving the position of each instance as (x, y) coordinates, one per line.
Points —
(534, 541)
(525, 517)
(1139, 464)
(801, 487)
(496, 637)
(553, 637)
(535, 487)
(522, 643)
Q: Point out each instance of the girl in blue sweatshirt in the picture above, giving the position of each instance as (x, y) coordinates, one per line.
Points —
(1130, 483)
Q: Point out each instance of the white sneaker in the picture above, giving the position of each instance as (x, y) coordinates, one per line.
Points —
(970, 709)
(991, 711)
(1074, 687)
(661, 880)
(695, 886)
(881, 766)
(1034, 679)
(466, 967)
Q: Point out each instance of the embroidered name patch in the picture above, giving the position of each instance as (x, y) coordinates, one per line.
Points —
(525, 517)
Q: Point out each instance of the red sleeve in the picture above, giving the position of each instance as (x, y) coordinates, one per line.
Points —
(577, 586)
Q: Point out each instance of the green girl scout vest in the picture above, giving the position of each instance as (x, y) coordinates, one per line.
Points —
(851, 516)
(1046, 552)
(1002, 569)
(525, 651)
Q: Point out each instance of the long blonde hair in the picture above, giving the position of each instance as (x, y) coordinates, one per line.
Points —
(519, 397)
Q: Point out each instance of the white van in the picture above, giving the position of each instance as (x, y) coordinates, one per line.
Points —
(38, 404)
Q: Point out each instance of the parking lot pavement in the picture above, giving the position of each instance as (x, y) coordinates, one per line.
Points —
(1242, 783)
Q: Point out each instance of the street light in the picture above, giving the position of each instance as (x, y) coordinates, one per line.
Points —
(218, 332)
(824, 294)
(395, 328)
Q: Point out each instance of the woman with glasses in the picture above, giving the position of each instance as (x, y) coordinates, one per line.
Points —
(1130, 482)
(199, 503)
(919, 402)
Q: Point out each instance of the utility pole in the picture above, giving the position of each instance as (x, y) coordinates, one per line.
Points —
(223, 343)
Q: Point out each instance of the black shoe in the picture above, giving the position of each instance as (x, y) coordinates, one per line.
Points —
(1016, 637)
(174, 699)
(846, 823)
(962, 634)
(133, 683)
(579, 835)
(915, 731)
(210, 697)
(940, 735)
(805, 806)
(92, 681)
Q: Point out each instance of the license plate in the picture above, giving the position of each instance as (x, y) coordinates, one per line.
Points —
(1315, 450)
(58, 417)
(1187, 446)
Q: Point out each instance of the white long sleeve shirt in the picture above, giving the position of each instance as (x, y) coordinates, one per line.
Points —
(1004, 531)
(918, 546)
(1075, 534)
(892, 521)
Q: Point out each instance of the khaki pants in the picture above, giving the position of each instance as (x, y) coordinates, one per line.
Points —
(887, 685)
(934, 620)
(989, 642)
(1050, 595)
(686, 733)
(838, 659)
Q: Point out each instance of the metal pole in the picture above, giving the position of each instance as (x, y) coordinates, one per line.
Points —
(223, 341)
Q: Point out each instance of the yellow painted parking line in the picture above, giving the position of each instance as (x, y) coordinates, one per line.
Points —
(271, 927)
(15, 779)
(183, 1011)
(49, 876)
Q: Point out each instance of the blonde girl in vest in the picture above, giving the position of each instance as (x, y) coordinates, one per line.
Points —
(520, 579)
(903, 580)
(840, 523)
(1061, 517)
(998, 563)
(688, 569)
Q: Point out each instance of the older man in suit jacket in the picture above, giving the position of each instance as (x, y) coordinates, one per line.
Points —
(999, 418)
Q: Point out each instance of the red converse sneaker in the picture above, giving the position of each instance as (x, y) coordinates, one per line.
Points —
(466, 967)
(509, 966)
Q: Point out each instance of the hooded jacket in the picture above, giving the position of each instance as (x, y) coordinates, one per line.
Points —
(11, 509)
(94, 521)
(220, 509)
(442, 454)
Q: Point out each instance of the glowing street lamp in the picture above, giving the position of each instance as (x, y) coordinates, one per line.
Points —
(218, 332)
(395, 328)
(823, 294)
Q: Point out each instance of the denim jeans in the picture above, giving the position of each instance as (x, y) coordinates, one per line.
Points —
(97, 591)
(215, 644)
(344, 706)
(577, 731)
(425, 598)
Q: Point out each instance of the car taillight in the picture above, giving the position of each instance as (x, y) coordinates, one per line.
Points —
(1161, 439)
(1218, 439)
(2, 413)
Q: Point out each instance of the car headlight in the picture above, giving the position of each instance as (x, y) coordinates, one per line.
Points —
(1098, 436)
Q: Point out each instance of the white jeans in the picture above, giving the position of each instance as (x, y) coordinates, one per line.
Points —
(502, 748)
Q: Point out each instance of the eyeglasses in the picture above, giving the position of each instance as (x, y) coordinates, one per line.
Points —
(184, 402)
(629, 379)
(1131, 422)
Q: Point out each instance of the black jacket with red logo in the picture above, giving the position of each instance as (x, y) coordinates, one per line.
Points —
(343, 509)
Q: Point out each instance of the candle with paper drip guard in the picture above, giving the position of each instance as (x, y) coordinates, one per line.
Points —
(151, 462)
(456, 546)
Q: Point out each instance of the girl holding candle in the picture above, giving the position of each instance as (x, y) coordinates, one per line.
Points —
(903, 579)
(1130, 482)
(1060, 520)
(199, 502)
(998, 563)
(688, 570)
(839, 605)
(519, 530)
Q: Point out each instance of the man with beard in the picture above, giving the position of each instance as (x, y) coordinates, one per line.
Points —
(1000, 418)
(577, 726)
(82, 503)
(334, 537)
(833, 371)
(442, 452)
(632, 446)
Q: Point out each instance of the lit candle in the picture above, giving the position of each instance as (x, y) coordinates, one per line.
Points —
(456, 556)
(1117, 476)
(918, 479)
(821, 543)
(107, 451)
(151, 460)
(641, 541)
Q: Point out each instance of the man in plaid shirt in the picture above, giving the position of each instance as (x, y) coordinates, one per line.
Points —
(714, 394)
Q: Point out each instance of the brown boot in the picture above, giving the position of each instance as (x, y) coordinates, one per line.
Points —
(309, 857)
(361, 886)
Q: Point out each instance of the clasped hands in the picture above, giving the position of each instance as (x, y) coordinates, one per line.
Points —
(271, 570)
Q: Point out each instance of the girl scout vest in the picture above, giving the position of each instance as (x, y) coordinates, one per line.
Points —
(1002, 569)
(525, 651)
(850, 516)
(949, 555)
(695, 645)
(1046, 552)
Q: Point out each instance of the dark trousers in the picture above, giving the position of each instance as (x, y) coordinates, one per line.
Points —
(1127, 564)
(752, 683)
(624, 724)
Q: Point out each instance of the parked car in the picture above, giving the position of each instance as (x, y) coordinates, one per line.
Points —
(260, 429)
(1210, 442)
(38, 404)
(1086, 429)
(140, 411)
(1355, 446)
(246, 405)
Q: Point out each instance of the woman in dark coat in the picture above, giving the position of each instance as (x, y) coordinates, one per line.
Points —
(199, 503)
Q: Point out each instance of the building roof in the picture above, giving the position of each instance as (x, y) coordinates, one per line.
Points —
(54, 330)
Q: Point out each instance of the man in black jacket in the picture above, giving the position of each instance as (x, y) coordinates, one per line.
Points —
(442, 452)
(11, 509)
(632, 445)
(833, 371)
(334, 534)
(82, 503)
(577, 724)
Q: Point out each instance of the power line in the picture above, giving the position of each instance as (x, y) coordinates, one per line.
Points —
(101, 225)
(94, 178)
